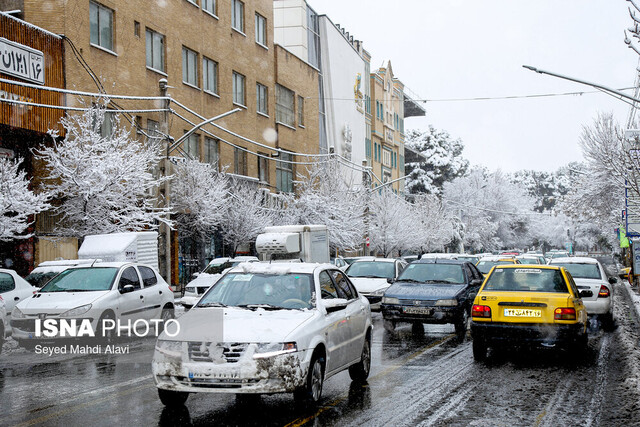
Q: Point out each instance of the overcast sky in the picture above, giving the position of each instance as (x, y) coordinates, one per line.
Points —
(444, 49)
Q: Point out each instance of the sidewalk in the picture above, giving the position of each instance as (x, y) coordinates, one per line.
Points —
(634, 293)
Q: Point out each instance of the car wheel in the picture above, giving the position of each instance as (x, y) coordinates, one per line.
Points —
(312, 390)
(417, 328)
(172, 398)
(389, 325)
(360, 371)
(167, 314)
(108, 335)
(608, 322)
(461, 324)
(479, 350)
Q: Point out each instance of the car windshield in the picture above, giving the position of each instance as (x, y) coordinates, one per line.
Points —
(218, 268)
(472, 259)
(82, 280)
(529, 260)
(485, 266)
(526, 280)
(255, 290)
(582, 271)
(40, 279)
(372, 269)
(433, 273)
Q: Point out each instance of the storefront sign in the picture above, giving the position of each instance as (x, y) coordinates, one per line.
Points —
(21, 61)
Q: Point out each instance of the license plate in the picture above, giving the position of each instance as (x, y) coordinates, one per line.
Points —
(227, 374)
(522, 312)
(416, 310)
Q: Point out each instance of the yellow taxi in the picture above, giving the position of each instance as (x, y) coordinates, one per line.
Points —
(528, 304)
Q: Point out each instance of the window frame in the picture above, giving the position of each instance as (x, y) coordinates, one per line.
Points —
(188, 54)
(132, 268)
(240, 166)
(237, 6)
(161, 38)
(300, 108)
(99, 7)
(208, 143)
(142, 270)
(13, 281)
(213, 12)
(209, 64)
(284, 169)
(235, 78)
(187, 144)
(263, 168)
(261, 30)
(264, 98)
(284, 114)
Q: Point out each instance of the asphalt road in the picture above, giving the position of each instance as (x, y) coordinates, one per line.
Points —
(427, 378)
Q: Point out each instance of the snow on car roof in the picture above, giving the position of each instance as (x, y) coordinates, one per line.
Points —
(375, 260)
(116, 264)
(278, 268)
(574, 260)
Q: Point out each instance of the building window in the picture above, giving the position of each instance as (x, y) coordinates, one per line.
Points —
(261, 29)
(189, 66)
(263, 167)
(300, 111)
(153, 129)
(136, 29)
(367, 141)
(108, 125)
(386, 158)
(237, 15)
(191, 145)
(238, 89)
(261, 99)
(101, 25)
(211, 151)
(210, 75)
(209, 6)
(240, 162)
(155, 50)
(284, 173)
(284, 106)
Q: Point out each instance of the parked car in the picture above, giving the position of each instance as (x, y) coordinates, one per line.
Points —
(485, 264)
(432, 290)
(590, 275)
(287, 328)
(609, 264)
(109, 290)
(372, 277)
(46, 270)
(526, 304)
(210, 275)
(13, 289)
(473, 259)
(339, 262)
(531, 259)
(4, 323)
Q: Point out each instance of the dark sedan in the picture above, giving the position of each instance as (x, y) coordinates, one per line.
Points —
(432, 290)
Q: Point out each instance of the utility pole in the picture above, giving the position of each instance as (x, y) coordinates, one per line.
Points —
(165, 230)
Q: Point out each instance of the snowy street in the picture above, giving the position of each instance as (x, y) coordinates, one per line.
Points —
(428, 379)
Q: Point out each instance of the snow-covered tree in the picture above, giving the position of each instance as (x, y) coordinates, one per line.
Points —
(199, 196)
(246, 215)
(444, 161)
(431, 225)
(17, 202)
(325, 198)
(390, 223)
(103, 179)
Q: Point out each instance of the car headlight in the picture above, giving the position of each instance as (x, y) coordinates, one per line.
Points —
(190, 290)
(78, 311)
(446, 302)
(379, 292)
(17, 313)
(390, 300)
(169, 349)
(264, 350)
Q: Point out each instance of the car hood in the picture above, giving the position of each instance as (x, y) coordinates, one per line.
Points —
(369, 284)
(58, 302)
(204, 279)
(233, 324)
(403, 290)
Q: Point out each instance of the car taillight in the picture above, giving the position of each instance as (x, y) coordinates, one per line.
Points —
(565, 313)
(480, 311)
(604, 292)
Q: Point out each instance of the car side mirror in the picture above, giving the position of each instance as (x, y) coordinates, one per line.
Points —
(612, 280)
(476, 282)
(586, 293)
(126, 289)
(390, 281)
(335, 304)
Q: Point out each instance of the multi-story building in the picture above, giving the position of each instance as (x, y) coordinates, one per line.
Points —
(211, 57)
(30, 56)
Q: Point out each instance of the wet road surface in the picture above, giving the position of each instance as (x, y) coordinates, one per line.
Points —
(419, 378)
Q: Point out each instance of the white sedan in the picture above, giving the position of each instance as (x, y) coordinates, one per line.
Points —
(589, 275)
(267, 328)
(13, 289)
(371, 277)
(100, 294)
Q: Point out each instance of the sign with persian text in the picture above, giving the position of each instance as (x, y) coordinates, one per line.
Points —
(21, 61)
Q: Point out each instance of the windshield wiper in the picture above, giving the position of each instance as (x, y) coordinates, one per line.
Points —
(410, 280)
(212, 304)
(256, 306)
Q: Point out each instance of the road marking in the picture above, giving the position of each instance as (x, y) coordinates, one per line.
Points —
(301, 421)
